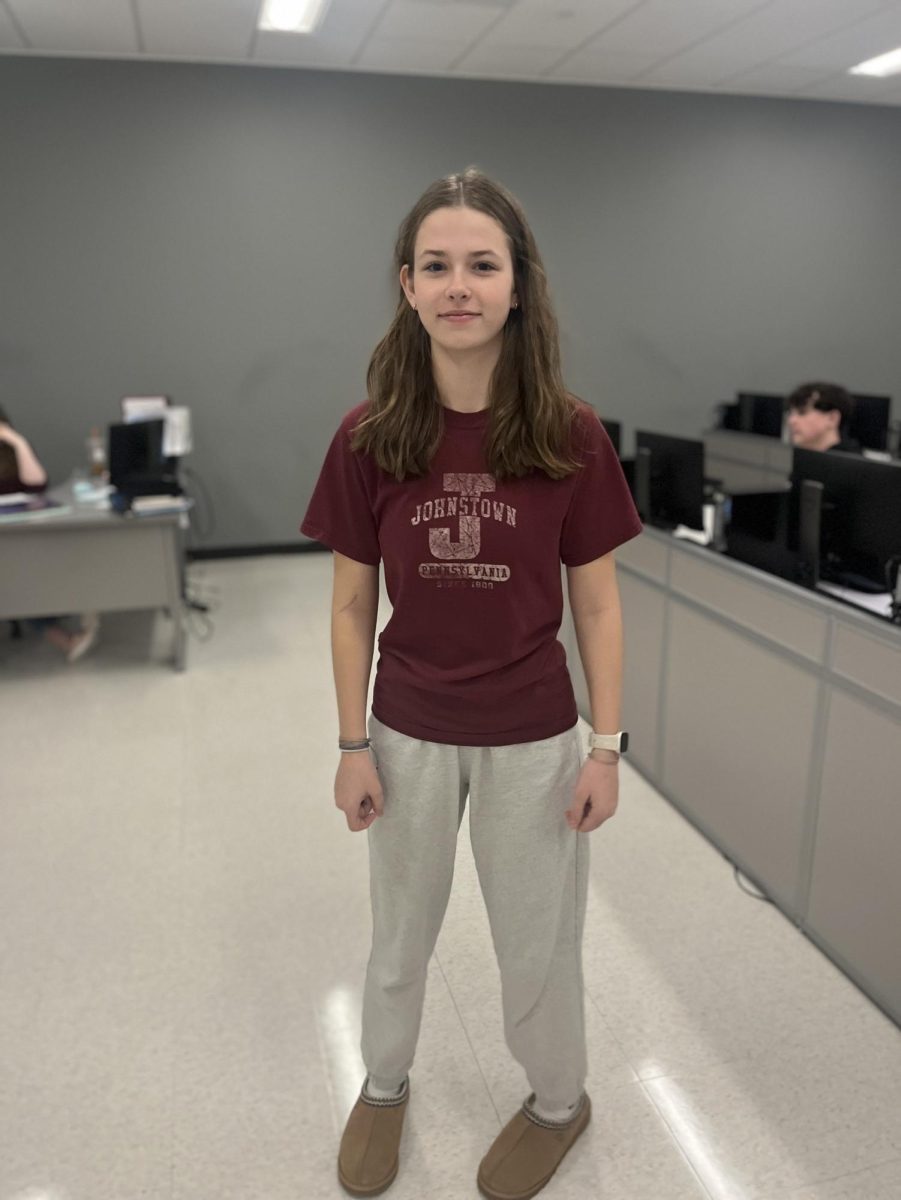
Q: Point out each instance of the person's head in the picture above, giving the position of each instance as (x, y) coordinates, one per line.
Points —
(466, 247)
(461, 249)
(818, 415)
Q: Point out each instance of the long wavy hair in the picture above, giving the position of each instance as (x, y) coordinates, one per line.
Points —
(530, 423)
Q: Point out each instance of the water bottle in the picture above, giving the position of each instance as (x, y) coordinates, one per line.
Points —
(97, 456)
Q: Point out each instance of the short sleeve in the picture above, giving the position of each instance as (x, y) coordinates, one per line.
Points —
(601, 513)
(340, 513)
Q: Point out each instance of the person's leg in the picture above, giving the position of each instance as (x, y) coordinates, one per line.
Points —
(60, 637)
(533, 871)
(411, 864)
(73, 645)
(53, 631)
(84, 640)
(534, 875)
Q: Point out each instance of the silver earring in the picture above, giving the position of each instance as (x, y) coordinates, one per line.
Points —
(515, 304)
(413, 304)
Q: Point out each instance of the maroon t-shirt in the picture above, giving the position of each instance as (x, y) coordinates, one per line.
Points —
(470, 655)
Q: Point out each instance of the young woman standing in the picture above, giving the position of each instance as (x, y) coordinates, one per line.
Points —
(472, 474)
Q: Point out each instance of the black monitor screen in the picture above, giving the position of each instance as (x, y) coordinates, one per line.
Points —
(869, 421)
(861, 518)
(614, 432)
(761, 413)
(136, 460)
(676, 479)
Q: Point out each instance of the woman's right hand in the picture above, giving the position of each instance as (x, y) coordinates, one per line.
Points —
(358, 792)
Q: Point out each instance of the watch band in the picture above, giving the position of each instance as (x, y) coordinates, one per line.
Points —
(609, 741)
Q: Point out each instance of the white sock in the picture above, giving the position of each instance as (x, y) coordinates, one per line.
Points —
(553, 1114)
(375, 1093)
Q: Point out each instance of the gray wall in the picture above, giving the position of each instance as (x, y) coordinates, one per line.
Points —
(224, 234)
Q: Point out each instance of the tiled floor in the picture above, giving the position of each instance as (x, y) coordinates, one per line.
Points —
(185, 927)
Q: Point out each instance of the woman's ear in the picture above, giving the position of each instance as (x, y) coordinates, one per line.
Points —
(407, 284)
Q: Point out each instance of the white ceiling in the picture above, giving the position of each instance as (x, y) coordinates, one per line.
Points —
(798, 48)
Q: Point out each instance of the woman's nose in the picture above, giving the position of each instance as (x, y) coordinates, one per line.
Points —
(456, 283)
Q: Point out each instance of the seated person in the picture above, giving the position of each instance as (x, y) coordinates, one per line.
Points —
(818, 417)
(20, 471)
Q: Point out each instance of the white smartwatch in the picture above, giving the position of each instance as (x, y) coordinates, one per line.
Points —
(619, 742)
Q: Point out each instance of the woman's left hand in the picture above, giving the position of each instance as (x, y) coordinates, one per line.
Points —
(595, 797)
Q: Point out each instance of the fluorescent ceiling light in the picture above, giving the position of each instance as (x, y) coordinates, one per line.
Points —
(885, 64)
(292, 16)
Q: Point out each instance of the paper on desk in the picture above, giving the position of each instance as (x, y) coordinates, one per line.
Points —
(704, 536)
(691, 535)
(880, 603)
(15, 498)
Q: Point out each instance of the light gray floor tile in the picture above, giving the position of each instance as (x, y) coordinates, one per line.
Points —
(186, 927)
(874, 1183)
(775, 1124)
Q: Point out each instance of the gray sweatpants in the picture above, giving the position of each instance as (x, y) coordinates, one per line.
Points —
(533, 871)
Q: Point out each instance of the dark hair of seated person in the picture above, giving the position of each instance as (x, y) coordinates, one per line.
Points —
(827, 397)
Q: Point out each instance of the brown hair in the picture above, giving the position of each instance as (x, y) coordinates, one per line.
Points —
(826, 397)
(530, 411)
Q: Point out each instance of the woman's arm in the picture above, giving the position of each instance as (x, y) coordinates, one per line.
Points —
(355, 604)
(594, 602)
(30, 471)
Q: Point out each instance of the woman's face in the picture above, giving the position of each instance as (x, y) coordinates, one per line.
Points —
(461, 265)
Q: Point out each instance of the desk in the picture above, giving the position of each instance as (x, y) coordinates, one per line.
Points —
(92, 560)
(770, 716)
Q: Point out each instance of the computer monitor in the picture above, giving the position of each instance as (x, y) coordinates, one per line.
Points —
(137, 464)
(870, 421)
(861, 514)
(614, 432)
(762, 413)
(143, 408)
(670, 470)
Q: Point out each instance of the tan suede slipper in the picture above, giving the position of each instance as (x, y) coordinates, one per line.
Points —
(528, 1151)
(368, 1159)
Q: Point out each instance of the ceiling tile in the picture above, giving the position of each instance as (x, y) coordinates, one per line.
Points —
(441, 20)
(772, 32)
(874, 35)
(215, 28)
(556, 22)
(600, 66)
(527, 61)
(89, 27)
(299, 50)
(334, 44)
(414, 55)
(661, 27)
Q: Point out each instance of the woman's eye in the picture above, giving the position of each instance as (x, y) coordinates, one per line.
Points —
(434, 267)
